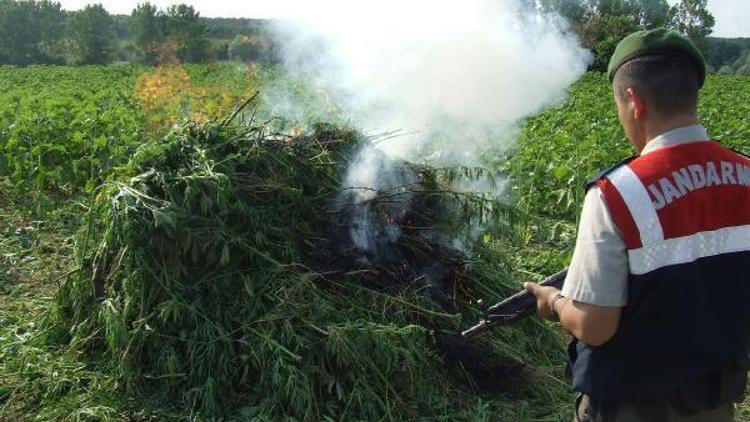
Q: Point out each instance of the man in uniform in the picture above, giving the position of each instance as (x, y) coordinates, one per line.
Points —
(657, 295)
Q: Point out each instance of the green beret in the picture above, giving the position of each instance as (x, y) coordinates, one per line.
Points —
(655, 41)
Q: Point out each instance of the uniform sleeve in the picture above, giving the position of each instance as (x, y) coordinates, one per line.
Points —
(598, 273)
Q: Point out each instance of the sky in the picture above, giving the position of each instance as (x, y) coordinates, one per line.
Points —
(732, 16)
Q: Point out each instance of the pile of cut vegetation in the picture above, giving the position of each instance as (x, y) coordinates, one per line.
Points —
(226, 275)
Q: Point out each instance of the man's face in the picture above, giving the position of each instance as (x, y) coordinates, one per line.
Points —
(627, 105)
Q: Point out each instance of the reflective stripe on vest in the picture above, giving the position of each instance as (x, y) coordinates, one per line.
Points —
(642, 196)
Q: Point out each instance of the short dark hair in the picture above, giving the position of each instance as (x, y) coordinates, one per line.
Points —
(669, 82)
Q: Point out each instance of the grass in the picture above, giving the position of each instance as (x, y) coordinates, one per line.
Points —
(35, 256)
(84, 382)
(40, 236)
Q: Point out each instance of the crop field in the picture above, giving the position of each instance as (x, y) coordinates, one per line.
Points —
(166, 254)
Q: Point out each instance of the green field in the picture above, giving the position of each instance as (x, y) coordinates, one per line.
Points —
(71, 138)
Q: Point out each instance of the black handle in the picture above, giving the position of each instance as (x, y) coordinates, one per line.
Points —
(524, 301)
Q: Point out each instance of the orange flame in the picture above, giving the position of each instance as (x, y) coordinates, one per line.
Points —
(169, 95)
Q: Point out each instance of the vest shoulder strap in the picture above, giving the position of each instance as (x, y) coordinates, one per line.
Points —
(591, 182)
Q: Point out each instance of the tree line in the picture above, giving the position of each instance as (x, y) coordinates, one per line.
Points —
(729, 55)
(40, 32)
(601, 24)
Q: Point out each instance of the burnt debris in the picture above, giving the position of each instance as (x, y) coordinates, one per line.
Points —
(392, 235)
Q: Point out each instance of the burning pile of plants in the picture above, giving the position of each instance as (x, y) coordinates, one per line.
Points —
(236, 271)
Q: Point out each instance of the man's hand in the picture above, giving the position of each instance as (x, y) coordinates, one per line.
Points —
(594, 325)
(544, 297)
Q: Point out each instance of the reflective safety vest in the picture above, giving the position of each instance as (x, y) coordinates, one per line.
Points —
(684, 213)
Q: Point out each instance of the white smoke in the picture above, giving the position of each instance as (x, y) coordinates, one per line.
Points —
(460, 74)
(456, 78)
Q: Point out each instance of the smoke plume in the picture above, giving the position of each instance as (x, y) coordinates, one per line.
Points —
(455, 77)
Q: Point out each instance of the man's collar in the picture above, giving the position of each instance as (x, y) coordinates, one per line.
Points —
(683, 135)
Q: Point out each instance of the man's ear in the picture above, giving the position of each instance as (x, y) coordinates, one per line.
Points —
(636, 104)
